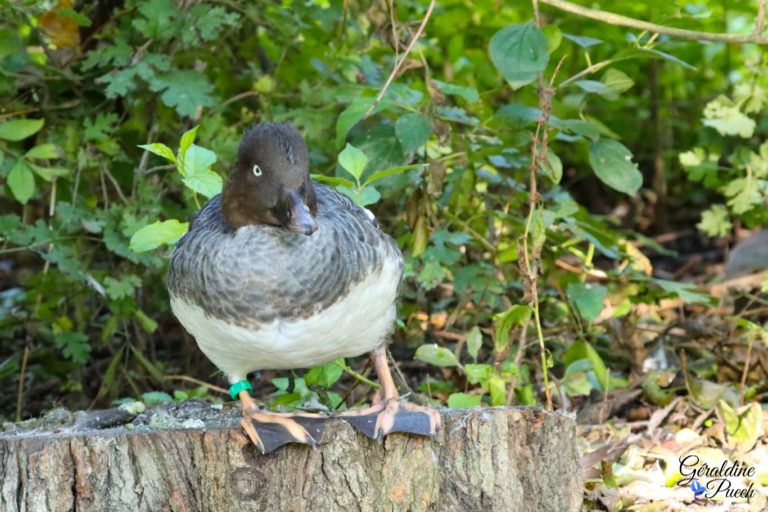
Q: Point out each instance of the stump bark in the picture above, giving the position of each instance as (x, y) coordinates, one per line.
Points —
(505, 459)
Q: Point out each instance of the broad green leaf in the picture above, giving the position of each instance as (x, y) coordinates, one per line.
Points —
(595, 87)
(49, 173)
(156, 234)
(350, 117)
(389, 172)
(151, 398)
(333, 180)
(498, 390)
(744, 425)
(553, 167)
(160, 150)
(588, 299)
(21, 182)
(187, 140)
(20, 129)
(520, 53)
(368, 195)
(617, 80)
(503, 323)
(577, 126)
(554, 37)
(575, 381)
(183, 90)
(685, 291)
(583, 41)
(197, 159)
(474, 342)
(468, 93)
(612, 163)
(436, 355)
(464, 401)
(581, 349)
(353, 160)
(413, 131)
(43, 152)
(325, 375)
(207, 183)
(479, 373)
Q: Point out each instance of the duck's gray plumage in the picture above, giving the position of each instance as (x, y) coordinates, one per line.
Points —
(259, 273)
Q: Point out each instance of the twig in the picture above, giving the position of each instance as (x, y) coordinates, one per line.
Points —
(402, 59)
(22, 373)
(187, 378)
(760, 20)
(624, 21)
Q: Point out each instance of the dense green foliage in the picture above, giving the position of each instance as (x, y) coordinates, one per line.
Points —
(96, 99)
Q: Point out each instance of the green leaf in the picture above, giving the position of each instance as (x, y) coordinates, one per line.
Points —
(436, 355)
(595, 87)
(413, 131)
(554, 37)
(725, 117)
(474, 342)
(743, 425)
(685, 291)
(612, 163)
(145, 321)
(743, 194)
(187, 140)
(160, 150)
(196, 171)
(350, 117)
(468, 93)
(520, 53)
(207, 183)
(73, 15)
(715, 221)
(583, 41)
(325, 375)
(158, 233)
(389, 172)
(333, 180)
(20, 129)
(119, 289)
(464, 401)
(353, 160)
(74, 345)
(368, 195)
(553, 166)
(49, 173)
(183, 90)
(43, 152)
(479, 373)
(588, 299)
(581, 349)
(156, 398)
(617, 80)
(21, 182)
(498, 390)
(503, 323)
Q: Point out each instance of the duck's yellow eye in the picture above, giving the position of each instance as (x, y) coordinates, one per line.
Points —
(256, 170)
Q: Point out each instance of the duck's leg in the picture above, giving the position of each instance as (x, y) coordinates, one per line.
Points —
(270, 430)
(389, 413)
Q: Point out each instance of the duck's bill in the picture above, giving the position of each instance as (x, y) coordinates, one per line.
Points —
(300, 219)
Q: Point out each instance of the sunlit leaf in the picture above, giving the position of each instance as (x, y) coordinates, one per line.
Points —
(519, 52)
(612, 163)
(436, 355)
(156, 234)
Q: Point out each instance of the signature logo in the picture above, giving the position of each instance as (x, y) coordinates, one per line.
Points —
(721, 479)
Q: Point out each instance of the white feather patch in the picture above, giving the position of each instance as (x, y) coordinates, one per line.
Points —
(354, 325)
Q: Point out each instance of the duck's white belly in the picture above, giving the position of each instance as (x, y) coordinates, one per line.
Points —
(354, 325)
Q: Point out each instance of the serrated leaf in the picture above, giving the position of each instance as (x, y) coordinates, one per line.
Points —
(715, 221)
(474, 342)
(74, 346)
(43, 152)
(588, 299)
(21, 181)
(183, 90)
(520, 53)
(156, 234)
(20, 129)
(612, 163)
(436, 355)
(159, 149)
(725, 117)
(353, 160)
(412, 131)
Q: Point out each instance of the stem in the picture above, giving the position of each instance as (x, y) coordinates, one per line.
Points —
(624, 21)
(357, 376)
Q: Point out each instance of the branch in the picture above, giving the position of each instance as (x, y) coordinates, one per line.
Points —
(400, 62)
(760, 20)
(617, 19)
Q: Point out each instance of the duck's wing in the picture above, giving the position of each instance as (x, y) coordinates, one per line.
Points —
(257, 274)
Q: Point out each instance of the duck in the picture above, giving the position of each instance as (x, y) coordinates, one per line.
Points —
(280, 272)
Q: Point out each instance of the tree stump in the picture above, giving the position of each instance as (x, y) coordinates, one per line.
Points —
(505, 459)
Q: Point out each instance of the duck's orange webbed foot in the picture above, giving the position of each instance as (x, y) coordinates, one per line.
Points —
(391, 414)
(269, 430)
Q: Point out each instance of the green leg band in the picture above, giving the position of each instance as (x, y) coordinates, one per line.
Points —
(237, 387)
